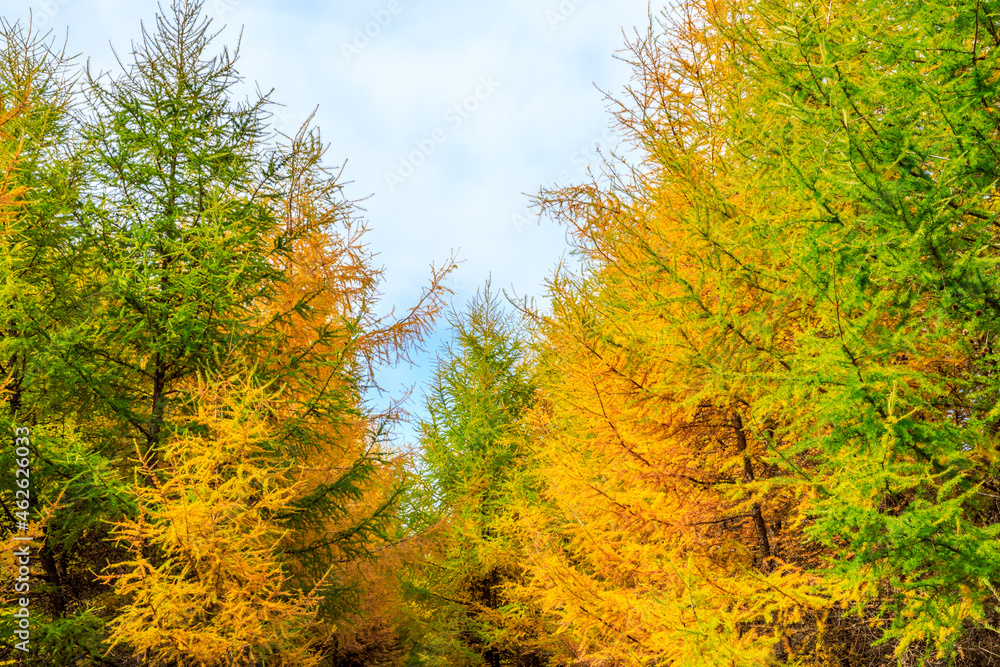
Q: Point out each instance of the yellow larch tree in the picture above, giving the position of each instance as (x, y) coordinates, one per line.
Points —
(665, 531)
(768, 421)
(206, 585)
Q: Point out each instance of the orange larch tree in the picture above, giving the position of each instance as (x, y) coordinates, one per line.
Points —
(666, 530)
(281, 451)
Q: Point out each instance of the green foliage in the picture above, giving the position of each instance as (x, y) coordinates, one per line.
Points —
(472, 449)
(158, 236)
(481, 387)
(74, 640)
(185, 245)
(872, 122)
(42, 179)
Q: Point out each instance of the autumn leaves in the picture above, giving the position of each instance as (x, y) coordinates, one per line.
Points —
(188, 325)
(764, 420)
(758, 427)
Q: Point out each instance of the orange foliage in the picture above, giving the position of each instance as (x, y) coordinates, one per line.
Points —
(661, 533)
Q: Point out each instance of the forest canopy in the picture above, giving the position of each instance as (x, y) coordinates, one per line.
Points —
(758, 426)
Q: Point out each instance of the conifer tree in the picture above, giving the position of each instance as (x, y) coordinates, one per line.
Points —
(203, 257)
(767, 431)
(474, 453)
(185, 242)
(206, 584)
(44, 255)
(873, 130)
(42, 179)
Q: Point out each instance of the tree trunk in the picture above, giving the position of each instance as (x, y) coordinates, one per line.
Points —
(748, 476)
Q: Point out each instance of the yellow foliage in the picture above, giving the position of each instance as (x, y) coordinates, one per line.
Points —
(205, 584)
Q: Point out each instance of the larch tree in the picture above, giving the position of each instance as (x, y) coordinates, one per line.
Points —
(153, 274)
(873, 124)
(206, 584)
(44, 255)
(185, 241)
(665, 529)
(213, 259)
(279, 449)
(330, 348)
(473, 454)
(768, 431)
(41, 185)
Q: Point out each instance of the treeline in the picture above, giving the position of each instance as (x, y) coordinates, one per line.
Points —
(759, 426)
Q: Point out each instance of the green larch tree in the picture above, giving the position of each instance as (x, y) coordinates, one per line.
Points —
(186, 245)
(871, 128)
(473, 455)
(44, 256)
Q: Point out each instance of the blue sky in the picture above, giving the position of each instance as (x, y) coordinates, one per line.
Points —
(447, 113)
